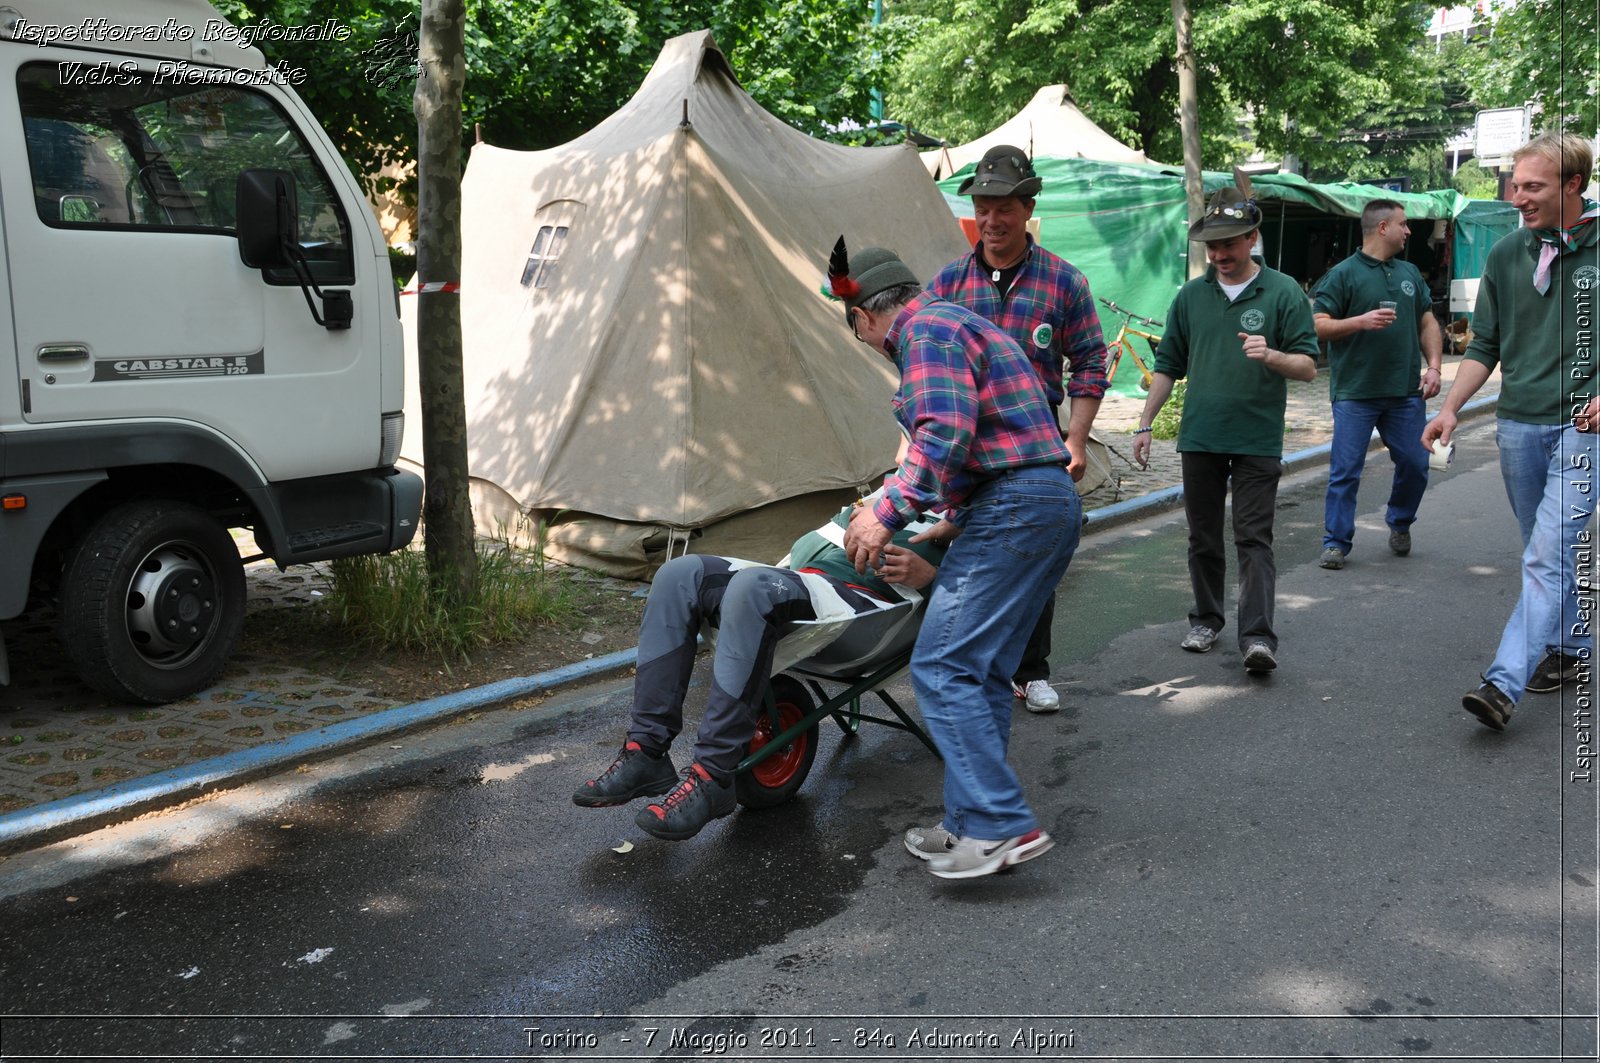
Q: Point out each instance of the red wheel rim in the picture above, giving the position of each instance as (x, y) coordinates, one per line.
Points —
(781, 766)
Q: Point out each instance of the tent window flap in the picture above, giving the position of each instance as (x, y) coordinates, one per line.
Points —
(541, 268)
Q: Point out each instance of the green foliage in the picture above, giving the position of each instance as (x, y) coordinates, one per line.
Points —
(1165, 426)
(1305, 70)
(1404, 134)
(359, 88)
(383, 602)
(401, 266)
(540, 74)
(1474, 182)
(1544, 50)
(1308, 70)
(963, 66)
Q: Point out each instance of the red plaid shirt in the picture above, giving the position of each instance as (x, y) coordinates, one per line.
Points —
(1049, 312)
(971, 404)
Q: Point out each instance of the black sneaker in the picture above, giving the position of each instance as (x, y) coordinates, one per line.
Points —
(693, 803)
(1490, 705)
(1399, 543)
(1556, 670)
(634, 773)
(1259, 659)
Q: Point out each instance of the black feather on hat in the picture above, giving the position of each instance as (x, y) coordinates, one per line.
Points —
(840, 284)
(874, 269)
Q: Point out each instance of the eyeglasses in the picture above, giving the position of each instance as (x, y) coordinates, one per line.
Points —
(854, 328)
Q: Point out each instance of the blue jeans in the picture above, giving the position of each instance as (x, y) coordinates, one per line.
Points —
(1399, 423)
(1549, 476)
(1022, 528)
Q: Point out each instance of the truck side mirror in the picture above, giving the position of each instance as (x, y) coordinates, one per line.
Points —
(268, 218)
(80, 209)
(268, 228)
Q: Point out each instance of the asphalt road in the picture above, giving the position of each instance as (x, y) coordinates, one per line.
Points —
(1332, 862)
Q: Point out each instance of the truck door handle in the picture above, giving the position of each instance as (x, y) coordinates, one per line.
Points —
(62, 352)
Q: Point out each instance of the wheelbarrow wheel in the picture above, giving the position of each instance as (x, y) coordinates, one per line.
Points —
(775, 779)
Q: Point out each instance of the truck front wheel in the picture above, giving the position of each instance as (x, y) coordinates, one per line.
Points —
(152, 600)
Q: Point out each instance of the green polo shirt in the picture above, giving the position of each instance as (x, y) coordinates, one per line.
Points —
(1234, 405)
(811, 550)
(1381, 363)
(1544, 344)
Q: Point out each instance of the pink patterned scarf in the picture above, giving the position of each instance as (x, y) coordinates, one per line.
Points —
(1553, 241)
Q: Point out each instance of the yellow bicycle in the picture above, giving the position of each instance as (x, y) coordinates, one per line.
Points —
(1122, 344)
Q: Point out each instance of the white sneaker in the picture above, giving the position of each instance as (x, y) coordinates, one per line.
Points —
(972, 858)
(925, 843)
(1039, 695)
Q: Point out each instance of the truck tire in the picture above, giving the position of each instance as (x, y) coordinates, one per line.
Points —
(152, 600)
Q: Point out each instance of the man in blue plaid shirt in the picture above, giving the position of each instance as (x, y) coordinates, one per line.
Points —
(1043, 303)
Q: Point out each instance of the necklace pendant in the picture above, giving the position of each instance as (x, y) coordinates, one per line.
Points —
(995, 276)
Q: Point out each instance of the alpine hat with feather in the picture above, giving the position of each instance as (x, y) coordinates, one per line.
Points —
(856, 278)
(1232, 211)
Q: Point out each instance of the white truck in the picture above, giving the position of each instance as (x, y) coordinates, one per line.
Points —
(199, 331)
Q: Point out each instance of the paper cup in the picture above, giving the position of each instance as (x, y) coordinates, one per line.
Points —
(1443, 454)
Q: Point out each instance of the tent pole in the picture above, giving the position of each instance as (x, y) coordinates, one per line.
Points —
(1281, 206)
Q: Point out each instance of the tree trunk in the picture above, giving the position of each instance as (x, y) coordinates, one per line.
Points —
(451, 549)
(1189, 118)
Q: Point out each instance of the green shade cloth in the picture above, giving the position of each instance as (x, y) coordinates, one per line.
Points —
(1124, 225)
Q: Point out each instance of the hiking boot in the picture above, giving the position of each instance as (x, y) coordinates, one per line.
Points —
(1490, 705)
(971, 857)
(693, 803)
(1399, 543)
(1038, 695)
(1332, 557)
(925, 843)
(1200, 639)
(634, 773)
(1556, 670)
(1259, 658)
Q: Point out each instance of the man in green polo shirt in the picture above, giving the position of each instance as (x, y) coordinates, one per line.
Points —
(1375, 311)
(1538, 302)
(1237, 334)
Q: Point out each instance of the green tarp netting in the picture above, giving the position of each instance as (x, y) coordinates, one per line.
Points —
(1123, 225)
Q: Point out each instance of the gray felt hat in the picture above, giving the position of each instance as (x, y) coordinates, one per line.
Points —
(858, 277)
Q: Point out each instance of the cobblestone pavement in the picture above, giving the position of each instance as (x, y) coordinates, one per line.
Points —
(58, 738)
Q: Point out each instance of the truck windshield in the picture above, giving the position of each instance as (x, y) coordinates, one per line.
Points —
(119, 151)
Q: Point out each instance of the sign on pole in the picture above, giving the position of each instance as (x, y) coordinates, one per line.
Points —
(1499, 132)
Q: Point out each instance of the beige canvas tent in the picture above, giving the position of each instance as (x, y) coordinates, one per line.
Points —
(1054, 127)
(649, 362)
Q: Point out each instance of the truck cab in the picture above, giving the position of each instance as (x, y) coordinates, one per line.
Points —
(199, 332)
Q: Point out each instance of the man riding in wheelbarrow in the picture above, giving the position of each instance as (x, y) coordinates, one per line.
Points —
(748, 604)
